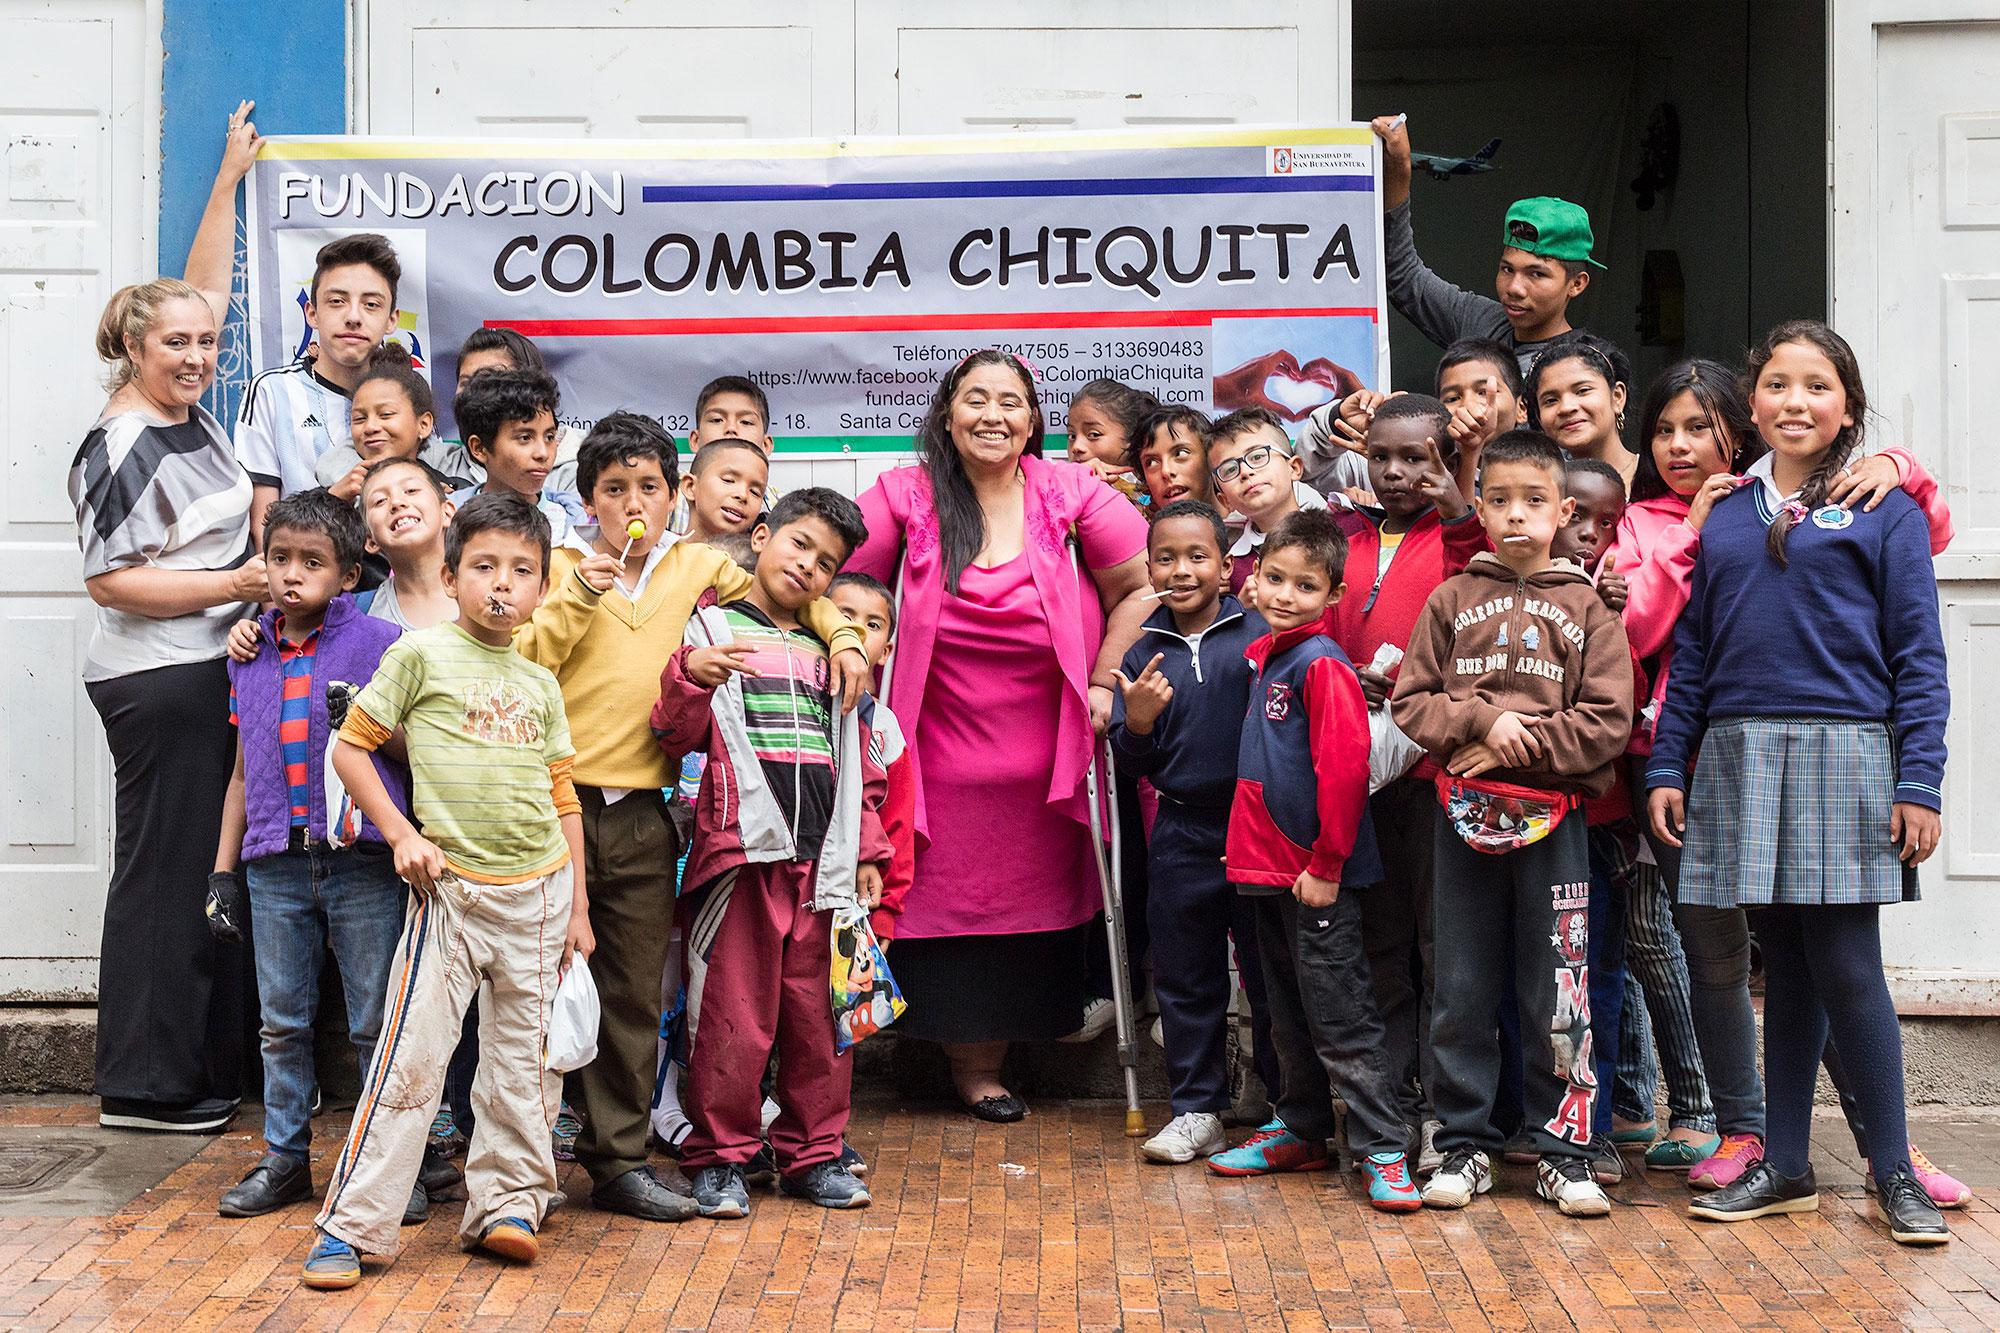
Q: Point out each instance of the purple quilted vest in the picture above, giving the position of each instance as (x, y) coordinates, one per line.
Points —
(351, 645)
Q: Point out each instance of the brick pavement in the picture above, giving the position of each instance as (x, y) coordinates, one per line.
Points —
(1054, 1223)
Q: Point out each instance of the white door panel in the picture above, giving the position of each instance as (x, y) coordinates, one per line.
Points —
(924, 68)
(78, 196)
(1916, 290)
(781, 68)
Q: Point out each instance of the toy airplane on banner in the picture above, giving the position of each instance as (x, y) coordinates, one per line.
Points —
(1444, 168)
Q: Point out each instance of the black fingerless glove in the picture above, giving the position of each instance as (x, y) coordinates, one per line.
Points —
(227, 906)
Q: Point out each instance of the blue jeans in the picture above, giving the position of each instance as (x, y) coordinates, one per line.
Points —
(300, 904)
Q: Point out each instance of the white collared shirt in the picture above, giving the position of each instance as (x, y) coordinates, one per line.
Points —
(1251, 539)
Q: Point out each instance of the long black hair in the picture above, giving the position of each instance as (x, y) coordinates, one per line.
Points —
(1718, 392)
(961, 522)
(1835, 349)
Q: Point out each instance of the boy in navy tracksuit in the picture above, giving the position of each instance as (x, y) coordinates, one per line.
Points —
(1184, 687)
(1298, 831)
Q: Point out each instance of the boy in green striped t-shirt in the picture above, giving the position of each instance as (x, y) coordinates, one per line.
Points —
(498, 874)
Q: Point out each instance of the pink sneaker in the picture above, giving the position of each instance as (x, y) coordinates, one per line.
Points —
(1737, 1154)
(1945, 1189)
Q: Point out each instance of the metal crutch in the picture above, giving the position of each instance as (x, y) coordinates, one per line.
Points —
(1110, 877)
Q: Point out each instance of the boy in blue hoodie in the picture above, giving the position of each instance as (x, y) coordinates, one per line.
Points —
(1299, 838)
(1184, 687)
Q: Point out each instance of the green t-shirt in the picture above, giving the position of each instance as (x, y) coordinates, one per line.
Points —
(482, 725)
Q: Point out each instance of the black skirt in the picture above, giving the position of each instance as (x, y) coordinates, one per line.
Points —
(967, 988)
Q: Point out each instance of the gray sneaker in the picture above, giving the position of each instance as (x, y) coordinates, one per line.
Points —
(719, 1191)
(826, 1184)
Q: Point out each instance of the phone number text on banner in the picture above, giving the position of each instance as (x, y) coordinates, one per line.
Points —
(1217, 268)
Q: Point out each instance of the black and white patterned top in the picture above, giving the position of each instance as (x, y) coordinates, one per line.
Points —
(162, 495)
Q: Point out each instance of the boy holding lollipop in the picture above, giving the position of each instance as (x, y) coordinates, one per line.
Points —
(620, 594)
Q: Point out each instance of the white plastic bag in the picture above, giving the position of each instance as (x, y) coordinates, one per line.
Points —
(573, 1025)
(1390, 753)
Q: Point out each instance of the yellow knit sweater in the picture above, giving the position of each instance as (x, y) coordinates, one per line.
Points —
(607, 654)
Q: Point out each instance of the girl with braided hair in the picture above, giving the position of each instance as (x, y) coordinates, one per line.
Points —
(1809, 673)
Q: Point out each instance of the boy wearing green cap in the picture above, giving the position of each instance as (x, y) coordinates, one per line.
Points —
(1545, 264)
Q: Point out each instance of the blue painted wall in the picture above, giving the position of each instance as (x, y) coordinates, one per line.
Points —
(291, 59)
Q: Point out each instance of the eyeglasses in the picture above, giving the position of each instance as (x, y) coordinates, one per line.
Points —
(1252, 459)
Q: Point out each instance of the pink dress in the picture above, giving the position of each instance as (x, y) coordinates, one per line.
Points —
(1001, 859)
(991, 686)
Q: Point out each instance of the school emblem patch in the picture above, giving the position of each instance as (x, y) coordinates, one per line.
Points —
(1832, 517)
(1278, 701)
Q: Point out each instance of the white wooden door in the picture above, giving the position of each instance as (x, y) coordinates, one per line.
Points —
(1916, 289)
(79, 126)
(785, 68)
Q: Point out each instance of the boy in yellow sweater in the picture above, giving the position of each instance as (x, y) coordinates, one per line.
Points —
(620, 595)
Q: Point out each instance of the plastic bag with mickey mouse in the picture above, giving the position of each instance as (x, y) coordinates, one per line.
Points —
(866, 998)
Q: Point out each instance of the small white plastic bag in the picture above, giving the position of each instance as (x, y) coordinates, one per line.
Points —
(1390, 753)
(573, 1025)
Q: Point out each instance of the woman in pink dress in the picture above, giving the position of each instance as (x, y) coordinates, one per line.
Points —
(1003, 669)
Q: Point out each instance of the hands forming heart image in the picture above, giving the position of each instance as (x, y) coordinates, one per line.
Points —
(1278, 382)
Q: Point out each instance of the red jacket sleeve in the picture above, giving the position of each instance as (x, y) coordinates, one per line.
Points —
(1464, 537)
(1338, 720)
(684, 710)
(899, 822)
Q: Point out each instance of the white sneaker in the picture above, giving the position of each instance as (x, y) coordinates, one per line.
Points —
(1567, 1183)
(1466, 1172)
(1429, 1159)
(1187, 1136)
(1098, 1016)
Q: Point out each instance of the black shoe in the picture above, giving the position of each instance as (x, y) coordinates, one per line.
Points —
(761, 1169)
(640, 1193)
(1003, 1109)
(1759, 1192)
(826, 1185)
(201, 1117)
(440, 1178)
(1907, 1207)
(271, 1184)
(719, 1191)
(852, 1162)
(1606, 1166)
(419, 1207)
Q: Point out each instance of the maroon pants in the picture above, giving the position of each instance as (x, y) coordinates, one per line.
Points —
(766, 986)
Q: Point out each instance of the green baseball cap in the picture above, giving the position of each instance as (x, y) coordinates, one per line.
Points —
(1554, 228)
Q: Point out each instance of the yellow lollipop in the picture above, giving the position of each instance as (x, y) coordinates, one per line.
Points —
(636, 529)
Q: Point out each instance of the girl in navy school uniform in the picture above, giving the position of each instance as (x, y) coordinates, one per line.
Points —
(1809, 672)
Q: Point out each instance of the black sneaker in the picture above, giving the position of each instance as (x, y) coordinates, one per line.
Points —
(719, 1191)
(827, 1185)
(271, 1184)
(1759, 1192)
(852, 1162)
(1907, 1207)
(761, 1169)
(1606, 1166)
(440, 1178)
(201, 1117)
(418, 1209)
(640, 1193)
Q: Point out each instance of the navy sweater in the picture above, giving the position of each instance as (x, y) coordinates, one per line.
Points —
(1849, 631)
(1190, 754)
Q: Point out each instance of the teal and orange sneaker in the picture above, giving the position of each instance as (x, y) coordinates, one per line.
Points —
(332, 1265)
(1390, 1189)
(513, 1239)
(1271, 1149)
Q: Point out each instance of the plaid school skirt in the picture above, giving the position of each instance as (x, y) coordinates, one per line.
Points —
(1793, 811)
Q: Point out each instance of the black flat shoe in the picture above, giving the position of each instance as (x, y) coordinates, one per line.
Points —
(1907, 1207)
(274, 1182)
(1004, 1109)
(640, 1193)
(166, 1117)
(1758, 1192)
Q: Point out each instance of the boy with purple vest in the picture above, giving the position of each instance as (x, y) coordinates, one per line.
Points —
(1298, 832)
(307, 894)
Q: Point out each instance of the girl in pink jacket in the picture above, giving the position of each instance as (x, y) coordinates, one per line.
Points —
(1695, 442)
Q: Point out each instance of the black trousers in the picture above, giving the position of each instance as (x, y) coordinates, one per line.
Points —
(176, 1009)
(1324, 1027)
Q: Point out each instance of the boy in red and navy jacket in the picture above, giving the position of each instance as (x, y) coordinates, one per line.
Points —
(1420, 532)
(1298, 831)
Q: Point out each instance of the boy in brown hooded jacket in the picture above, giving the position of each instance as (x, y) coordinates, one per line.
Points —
(1519, 681)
